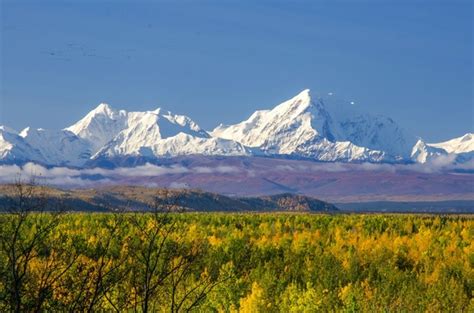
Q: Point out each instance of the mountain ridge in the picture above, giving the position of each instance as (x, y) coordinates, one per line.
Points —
(136, 198)
(316, 128)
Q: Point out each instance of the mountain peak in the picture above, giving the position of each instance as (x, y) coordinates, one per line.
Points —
(294, 106)
(298, 125)
(159, 111)
(423, 152)
(306, 93)
(28, 131)
(103, 108)
(467, 137)
(100, 125)
(303, 97)
(25, 131)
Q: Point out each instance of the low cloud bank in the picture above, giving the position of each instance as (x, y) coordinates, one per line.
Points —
(440, 164)
(94, 176)
(63, 176)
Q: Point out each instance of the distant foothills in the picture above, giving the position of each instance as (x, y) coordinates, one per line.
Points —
(137, 198)
(319, 128)
(134, 198)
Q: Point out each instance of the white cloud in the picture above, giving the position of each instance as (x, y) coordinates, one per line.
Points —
(63, 176)
(218, 169)
(81, 177)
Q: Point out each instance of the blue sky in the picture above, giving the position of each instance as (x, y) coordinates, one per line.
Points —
(218, 61)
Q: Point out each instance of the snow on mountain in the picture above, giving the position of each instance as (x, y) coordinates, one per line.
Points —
(324, 150)
(106, 133)
(422, 152)
(373, 131)
(100, 125)
(458, 145)
(13, 148)
(321, 129)
(461, 149)
(277, 131)
(58, 147)
(159, 133)
(180, 144)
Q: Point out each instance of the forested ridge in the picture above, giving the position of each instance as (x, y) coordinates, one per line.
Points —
(137, 198)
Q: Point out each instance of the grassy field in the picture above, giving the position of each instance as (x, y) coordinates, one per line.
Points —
(214, 262)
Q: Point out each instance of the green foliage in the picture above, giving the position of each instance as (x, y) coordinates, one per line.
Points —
(240, 263)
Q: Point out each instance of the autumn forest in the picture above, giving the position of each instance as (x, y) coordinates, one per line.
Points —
(166, 261)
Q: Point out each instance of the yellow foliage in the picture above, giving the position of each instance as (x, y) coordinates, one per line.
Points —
(345, 292)
(255, 301)
(214, 241)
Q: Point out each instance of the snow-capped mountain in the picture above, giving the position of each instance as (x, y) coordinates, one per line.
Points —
(42, 146)
(458, 145)
(58, 147)
(159, 133)
(323, 129)
(14, 149)
(105, 133)
(422, 152)
(100, 126)
(318, 128)
(461, 149)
